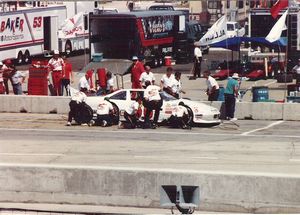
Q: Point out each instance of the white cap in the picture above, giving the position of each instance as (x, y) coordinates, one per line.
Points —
(56, 52)
(134, 58)
(235, 75)
(1, 64)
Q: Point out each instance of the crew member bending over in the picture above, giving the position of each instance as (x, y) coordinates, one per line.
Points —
(105, 112)
(179, 117)
(77, 101)
(130, 115)
(152, 101)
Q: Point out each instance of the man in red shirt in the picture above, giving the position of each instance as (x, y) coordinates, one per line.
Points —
(137, 69)
(67, 76)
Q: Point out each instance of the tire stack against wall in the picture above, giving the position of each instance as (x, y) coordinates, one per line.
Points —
(37, 82)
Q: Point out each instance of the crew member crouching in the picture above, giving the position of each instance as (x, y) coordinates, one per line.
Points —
(105, 111)
(152, 101)
(130, 116)
(76, 104)
(180, 117)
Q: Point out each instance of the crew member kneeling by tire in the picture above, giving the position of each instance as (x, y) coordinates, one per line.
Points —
(152, 101)
(179, 117)
(76, 104)
(130, 116)
(104, 113)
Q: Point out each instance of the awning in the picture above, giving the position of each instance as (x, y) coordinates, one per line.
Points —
(234, 43)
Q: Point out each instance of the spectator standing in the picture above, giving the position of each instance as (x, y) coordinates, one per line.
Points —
(152, 101)
(177, 86)
(2, 68)
(197, 61)
(67, 77)
(230, 94)
(212, 87)
(109, 83)
(56, 66)
(7, 72)
(76, 104)
(17, 78)
(147, 76)
(167, 81)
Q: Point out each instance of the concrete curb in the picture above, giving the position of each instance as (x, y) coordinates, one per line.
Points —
(253, 193)
(60, 104)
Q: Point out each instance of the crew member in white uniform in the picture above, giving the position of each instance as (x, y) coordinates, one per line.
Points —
(56, 65)
(177, 86)
(152, 101)
(167, 81)
(76, 103)
(84, 81)
(179, 117)
(104, 113)
(212, 87)
(197, 61)
(147, 76)
(130, 115)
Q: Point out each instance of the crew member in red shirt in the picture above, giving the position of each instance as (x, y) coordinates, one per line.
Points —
(67, 77)
(137, 69)
(56, 65)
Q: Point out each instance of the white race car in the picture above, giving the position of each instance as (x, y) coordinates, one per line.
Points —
(199, 113)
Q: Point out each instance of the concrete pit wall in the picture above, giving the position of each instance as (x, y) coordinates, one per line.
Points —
(140, 188)
(59, 104)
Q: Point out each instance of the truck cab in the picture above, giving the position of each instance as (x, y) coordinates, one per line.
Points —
(235, 30)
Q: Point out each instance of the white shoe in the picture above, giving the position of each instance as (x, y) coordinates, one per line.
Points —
(84, 124)
(68, 124)
(233, 119)
(104, 123)
(120, 125)
(92, 122)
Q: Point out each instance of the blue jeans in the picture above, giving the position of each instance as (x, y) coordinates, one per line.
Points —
(229, 105)
(17, 88)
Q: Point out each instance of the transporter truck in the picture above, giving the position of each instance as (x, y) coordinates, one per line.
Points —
(151, 35)
(29, 31)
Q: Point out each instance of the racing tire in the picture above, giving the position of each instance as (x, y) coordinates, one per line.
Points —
(116, 115)
(27, 57)
(85, 115)
(190, 121)
(68, 48)
(19, 58)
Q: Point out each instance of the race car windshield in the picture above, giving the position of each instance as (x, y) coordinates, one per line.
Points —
(166, 97)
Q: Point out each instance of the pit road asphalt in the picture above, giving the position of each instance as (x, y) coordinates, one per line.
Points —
(247, 147)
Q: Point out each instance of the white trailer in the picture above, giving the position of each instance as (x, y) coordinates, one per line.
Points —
(28, 32)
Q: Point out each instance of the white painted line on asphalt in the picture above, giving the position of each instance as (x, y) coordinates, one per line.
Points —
(270, 83)
(173, 157)
(150, 131)
(143, 169)
(263, 128)
(30, 154)
(294, 160)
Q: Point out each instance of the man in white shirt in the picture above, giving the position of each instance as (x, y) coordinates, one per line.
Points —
(197, 61)
(84, 81)
(212, 87)
(105, 111)
(167, 81)
(177, 86)
(179, 117)
(152, 101)
(109, 83)
(147, 76)
(56, 65)
(130, 115)
(76, 104)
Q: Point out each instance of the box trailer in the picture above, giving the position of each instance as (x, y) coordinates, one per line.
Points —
(29, 31)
